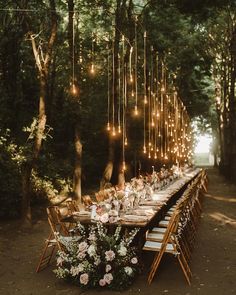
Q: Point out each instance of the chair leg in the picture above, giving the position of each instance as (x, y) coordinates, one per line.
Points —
(156, 263)
(47, 254)
(185, 268)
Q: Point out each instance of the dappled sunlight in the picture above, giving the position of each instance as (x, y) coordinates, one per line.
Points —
(222, 218)
(224, 199)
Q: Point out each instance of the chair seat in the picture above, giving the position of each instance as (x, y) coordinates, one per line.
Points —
(159, 229)
(167, 218)
(163, 223)
(156, 246)
(156, 237)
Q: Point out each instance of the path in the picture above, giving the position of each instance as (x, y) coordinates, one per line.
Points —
(213, 264)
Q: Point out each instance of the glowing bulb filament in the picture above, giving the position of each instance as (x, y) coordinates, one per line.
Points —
(124, 166)
(113, 131)
(136, 111)
(92, 70)
(145, 99)
(108, 126)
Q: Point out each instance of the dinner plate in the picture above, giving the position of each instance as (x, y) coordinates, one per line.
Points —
(81, 213)
(135, 218)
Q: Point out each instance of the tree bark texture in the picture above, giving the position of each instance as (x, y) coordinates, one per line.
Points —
(43, 65)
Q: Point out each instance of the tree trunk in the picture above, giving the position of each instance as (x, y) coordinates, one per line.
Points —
(43, 63)
(232, 109)
(75, 70)
(26, 194)
(78, 165)
(107, 174)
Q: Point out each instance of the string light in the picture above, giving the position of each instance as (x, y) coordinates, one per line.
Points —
(74, 88)
(108, 89)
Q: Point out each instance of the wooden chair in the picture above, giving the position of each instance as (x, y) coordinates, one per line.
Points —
(167, 242)
(52, 243)
(175, 234)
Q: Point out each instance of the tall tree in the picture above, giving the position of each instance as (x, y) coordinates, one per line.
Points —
(43, 60)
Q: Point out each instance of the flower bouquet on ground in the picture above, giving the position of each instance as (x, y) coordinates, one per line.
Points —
(99, 259)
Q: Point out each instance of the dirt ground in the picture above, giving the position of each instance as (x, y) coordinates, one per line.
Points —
(213, 264)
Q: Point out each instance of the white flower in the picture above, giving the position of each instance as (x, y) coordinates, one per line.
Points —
(108, 267)
(97, 261)
(84, 278)
(92, 238)
(104, 218)
(108, 277)
(74, 270)
(134, 260)
(91, 250)
(128, 270)
(122, 251)
(109, 255)
(80, 267)
(60, 260)
(83, 246)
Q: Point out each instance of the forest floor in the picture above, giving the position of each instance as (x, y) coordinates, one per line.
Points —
(213, 263)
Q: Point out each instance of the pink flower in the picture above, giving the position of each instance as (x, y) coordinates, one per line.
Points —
(81, 255)
(83, 246)
(108, 277)
(134, 260)
(102, 282)
(104, 218)
(110, 255)
(108, 267)
(84, 278)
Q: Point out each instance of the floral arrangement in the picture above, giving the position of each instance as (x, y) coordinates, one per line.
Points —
(94, 258)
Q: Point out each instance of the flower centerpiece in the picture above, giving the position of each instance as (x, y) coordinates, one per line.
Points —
(98, 259)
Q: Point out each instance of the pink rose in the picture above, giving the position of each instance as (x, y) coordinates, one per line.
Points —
(83, 246)
(84, 278)
(81, 255)
(104, 218)
(110, 255)
(134, 260)
(102, 282)
(108, 277)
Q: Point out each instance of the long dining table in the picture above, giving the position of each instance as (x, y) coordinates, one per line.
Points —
(148, 213)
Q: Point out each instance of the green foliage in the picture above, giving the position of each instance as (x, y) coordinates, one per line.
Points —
(10, 183)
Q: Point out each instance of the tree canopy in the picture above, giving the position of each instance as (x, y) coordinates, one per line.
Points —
(47, 45)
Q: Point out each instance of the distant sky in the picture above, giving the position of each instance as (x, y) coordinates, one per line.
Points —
(203, 144)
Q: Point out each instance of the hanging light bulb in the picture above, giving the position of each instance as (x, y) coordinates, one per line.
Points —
(144, 150)
(145, 99)
(92, 69)
(126, 141)
(119, 129)
(108, 126)
(123, 166)
(155, 156)
(136, 111)
(149, 155)
(74, 89)
(113, 131)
